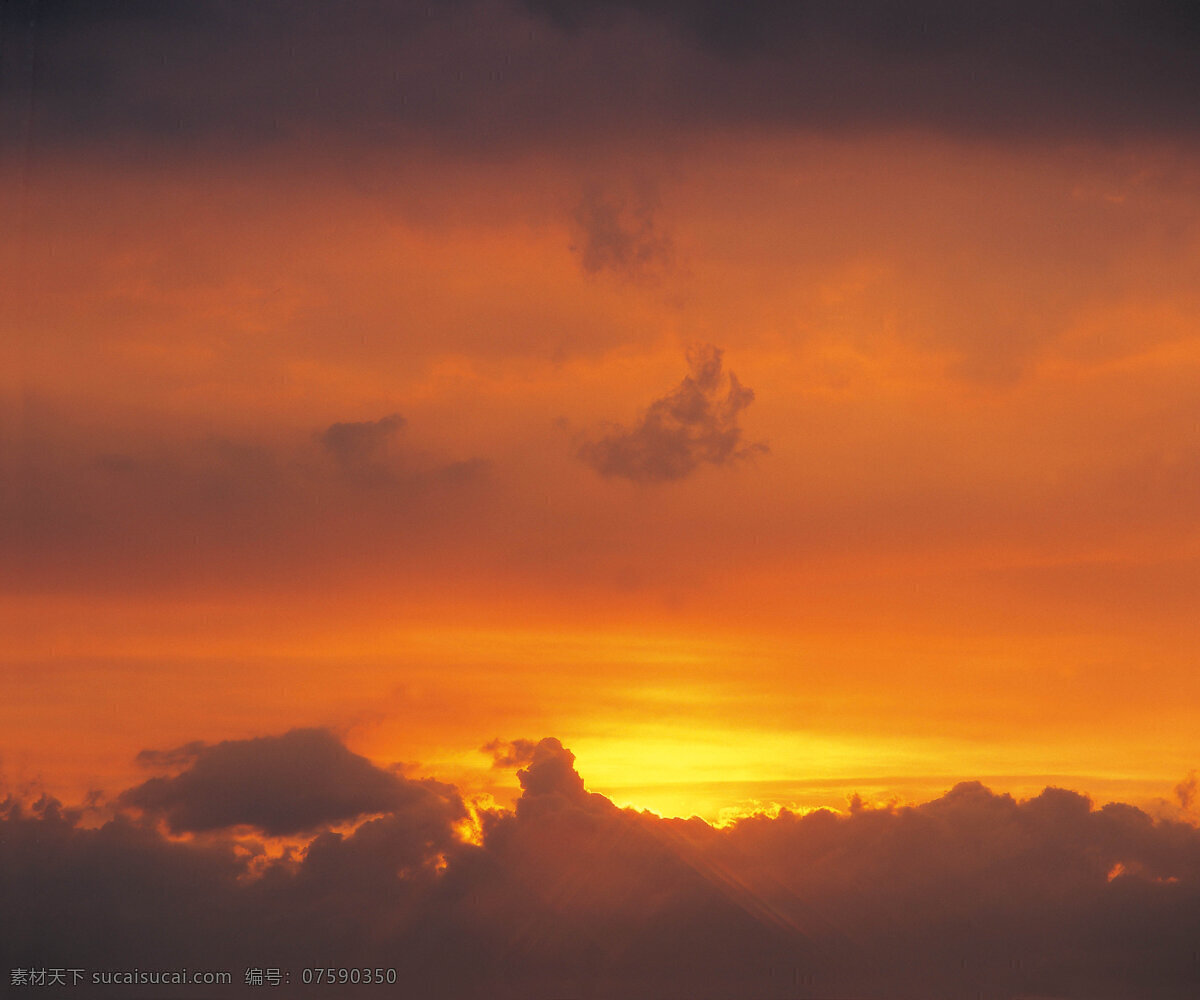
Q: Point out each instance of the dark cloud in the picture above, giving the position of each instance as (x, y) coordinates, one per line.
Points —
(621, 236)
(972, 894)
(174, 758)
(495, 74)
(993, 66)
(509, 753)
(550, 774)
(367, 453)
(981, 882)
(120, 892)
(573, 889)
(361, 441)
(285, 784)
(362, 449)
(1185, 791)
(696, 423)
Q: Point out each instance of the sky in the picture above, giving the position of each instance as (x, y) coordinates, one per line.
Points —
(784, 415)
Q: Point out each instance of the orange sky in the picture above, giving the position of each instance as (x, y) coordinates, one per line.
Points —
(969, 550)
(445, 449)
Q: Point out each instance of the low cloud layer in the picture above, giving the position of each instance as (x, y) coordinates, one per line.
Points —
(972, 894)
(693, 425)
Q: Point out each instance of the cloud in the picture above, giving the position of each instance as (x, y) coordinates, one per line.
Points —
(562, 71)
(992, 66)
(363, 449)
(285, 784)
(1185, 791)
(361, 442)
(694, 424)
(174, 758)
(621, 237)
(972, 893)
(550, 775)
(366, 454)
(509, 753)
(107, 892)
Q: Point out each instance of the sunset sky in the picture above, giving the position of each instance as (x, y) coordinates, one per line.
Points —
(772, 402)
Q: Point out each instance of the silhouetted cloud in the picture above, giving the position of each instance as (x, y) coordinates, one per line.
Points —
(550, 774)
(970, 894)
(367, 453)
(361, 448)
(696, 423)
(285, 784)
(509, 753)
(1185, 791)
(177, 757)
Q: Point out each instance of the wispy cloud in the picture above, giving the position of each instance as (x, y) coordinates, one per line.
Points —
(693, 425)
(622, 236)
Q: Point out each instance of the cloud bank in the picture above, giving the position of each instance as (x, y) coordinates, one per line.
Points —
(972, 894)
(497, 75)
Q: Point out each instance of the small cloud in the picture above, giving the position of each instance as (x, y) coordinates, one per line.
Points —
(1185, 791)
(367, 454)
(362, 448)
(509, 753)
(177, 757)
(695, 423)
(621, 237)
